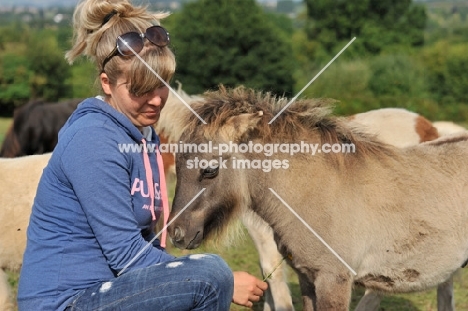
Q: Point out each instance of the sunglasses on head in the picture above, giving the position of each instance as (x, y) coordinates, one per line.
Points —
(155, 34)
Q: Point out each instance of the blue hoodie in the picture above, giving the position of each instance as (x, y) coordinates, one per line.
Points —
(91, 213)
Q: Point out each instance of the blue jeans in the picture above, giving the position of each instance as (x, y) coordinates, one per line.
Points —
(193, 282)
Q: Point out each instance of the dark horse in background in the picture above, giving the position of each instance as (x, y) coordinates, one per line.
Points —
(35, 127)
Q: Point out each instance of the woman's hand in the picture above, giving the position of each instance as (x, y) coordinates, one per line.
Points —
(247, 289)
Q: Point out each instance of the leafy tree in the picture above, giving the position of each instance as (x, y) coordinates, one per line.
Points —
(230, 42)
(49, 68)
(397, 75)
(447, 72)
(375, 23)
(14, 78)
(83, 80)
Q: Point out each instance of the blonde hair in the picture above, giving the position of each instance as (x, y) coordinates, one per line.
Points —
(96, 26)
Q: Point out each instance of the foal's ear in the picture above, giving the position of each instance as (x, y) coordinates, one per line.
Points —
(239, 126)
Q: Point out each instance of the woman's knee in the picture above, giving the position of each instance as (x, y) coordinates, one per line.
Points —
(213, 267)
(214, 279)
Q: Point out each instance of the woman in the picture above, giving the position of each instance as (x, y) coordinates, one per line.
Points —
(96, 207)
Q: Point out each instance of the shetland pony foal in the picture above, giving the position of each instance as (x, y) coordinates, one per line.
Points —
(396, 216)
(395, 126)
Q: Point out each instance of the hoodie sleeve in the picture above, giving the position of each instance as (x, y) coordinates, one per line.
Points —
(100, 177)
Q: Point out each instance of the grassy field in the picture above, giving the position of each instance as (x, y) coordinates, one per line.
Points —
(243, 256)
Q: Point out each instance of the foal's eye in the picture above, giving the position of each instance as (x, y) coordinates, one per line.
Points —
(209, 172)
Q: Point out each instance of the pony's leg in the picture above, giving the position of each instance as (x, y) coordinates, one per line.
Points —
(333, 290)
(445, 301)
(6, 297)
(369, 302)
(277, 297)
(308, 293)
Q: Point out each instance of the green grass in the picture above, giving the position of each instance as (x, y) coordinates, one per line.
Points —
(243, 256)
(4, 126)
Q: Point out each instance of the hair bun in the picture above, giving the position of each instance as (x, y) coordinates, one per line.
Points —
(93, 18)
(108, 17)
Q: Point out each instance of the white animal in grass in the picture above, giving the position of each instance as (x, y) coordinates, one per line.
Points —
(448, 128)
(19, 178)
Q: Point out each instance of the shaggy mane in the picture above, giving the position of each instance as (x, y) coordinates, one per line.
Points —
(302, 120)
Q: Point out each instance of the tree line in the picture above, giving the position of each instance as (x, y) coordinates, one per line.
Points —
(405, 54)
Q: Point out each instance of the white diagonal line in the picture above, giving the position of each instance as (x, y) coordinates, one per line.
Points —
(162, 80)
(159, 233)
(315, 233)
(310, 82)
